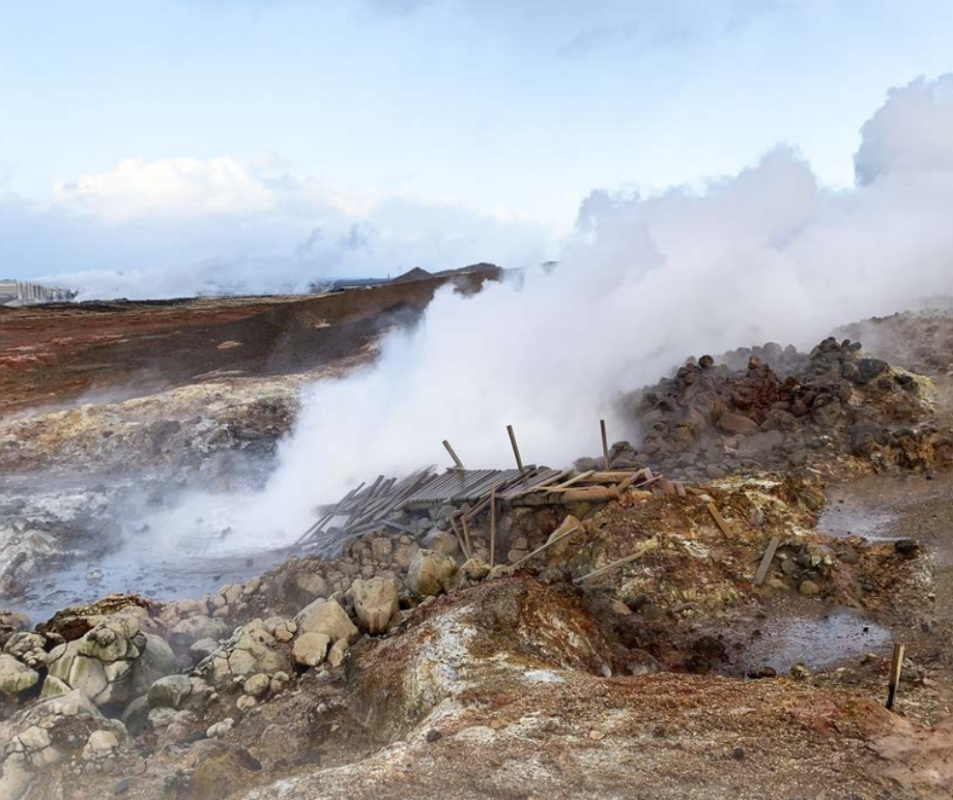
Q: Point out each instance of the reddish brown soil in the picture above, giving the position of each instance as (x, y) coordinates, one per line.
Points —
(57, 353)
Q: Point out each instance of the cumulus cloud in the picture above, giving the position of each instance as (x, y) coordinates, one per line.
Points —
(185, 226)
(174, 187)
(912, 132)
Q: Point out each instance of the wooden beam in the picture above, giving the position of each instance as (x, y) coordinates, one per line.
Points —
(493, 525)
(466, 536)
(456, 531)
(720, 520)
(762, 572)
(605, 444)
(548, 544)
(453, 455)
(896, 666)
(641, 551)
(575, 479)
(516, 449)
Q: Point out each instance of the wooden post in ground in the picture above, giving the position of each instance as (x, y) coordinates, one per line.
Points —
(762, 572)
(453, 455)
(493, 525)
(516, 449)
(896, 665)
(605, 445)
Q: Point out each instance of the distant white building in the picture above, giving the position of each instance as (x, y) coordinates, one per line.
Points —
(24, 293)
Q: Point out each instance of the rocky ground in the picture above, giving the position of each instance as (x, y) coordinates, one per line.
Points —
(401, 668)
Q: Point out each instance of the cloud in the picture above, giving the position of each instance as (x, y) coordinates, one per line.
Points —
(673, 26)
(182, 226)
(912, 132)
(173, 187)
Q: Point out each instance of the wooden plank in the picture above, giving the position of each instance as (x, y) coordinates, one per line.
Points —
(720, 520)
(680, 489)
(896, 667)
(516, 449)
(590, 493)
(550, 543)
(641, 551)
(453, 455)
(762, 572)
(605, 445)
(538, 487)
(575, 479)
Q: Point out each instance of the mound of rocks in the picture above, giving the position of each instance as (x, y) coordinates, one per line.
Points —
(781, 409)
(111, 664)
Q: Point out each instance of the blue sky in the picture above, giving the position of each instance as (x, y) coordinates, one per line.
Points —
(430, 122)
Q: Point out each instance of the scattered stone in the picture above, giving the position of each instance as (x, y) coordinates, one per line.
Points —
(809, 589)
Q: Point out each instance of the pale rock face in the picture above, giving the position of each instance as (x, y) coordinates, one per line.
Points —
(15, 677)
(310, 648)
(431, 573)
(376, 603)
(327, 617)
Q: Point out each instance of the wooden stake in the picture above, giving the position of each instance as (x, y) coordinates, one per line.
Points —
(762, 572)
(493, 525)
(453, 455)
(896, 665)
(605, 444)
(516, 449)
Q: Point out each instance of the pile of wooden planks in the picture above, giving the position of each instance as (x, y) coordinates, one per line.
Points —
(471, 491)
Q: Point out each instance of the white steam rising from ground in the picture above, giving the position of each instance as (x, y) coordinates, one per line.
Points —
(766, 255)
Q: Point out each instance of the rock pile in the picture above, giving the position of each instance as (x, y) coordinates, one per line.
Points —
(781, 409)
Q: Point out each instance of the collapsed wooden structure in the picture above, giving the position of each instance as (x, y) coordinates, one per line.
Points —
(470, 492)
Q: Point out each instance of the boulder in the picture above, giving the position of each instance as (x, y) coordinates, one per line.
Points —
(442, 542)
(16, 677)
(327, 617)
(194, 629)
(310, 648)
(431, 573)
(169, 692)
(376, 603)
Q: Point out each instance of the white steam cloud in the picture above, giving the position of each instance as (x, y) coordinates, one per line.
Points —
(766, 255)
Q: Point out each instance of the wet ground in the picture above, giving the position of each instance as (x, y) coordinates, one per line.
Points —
(794, 630)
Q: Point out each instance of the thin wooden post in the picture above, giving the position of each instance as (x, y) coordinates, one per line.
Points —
(466, 535)
(460, 539)
(453, 455)
(605, 444)
(493, 525)
(896, 666)
(762, 572)
(516, 449)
